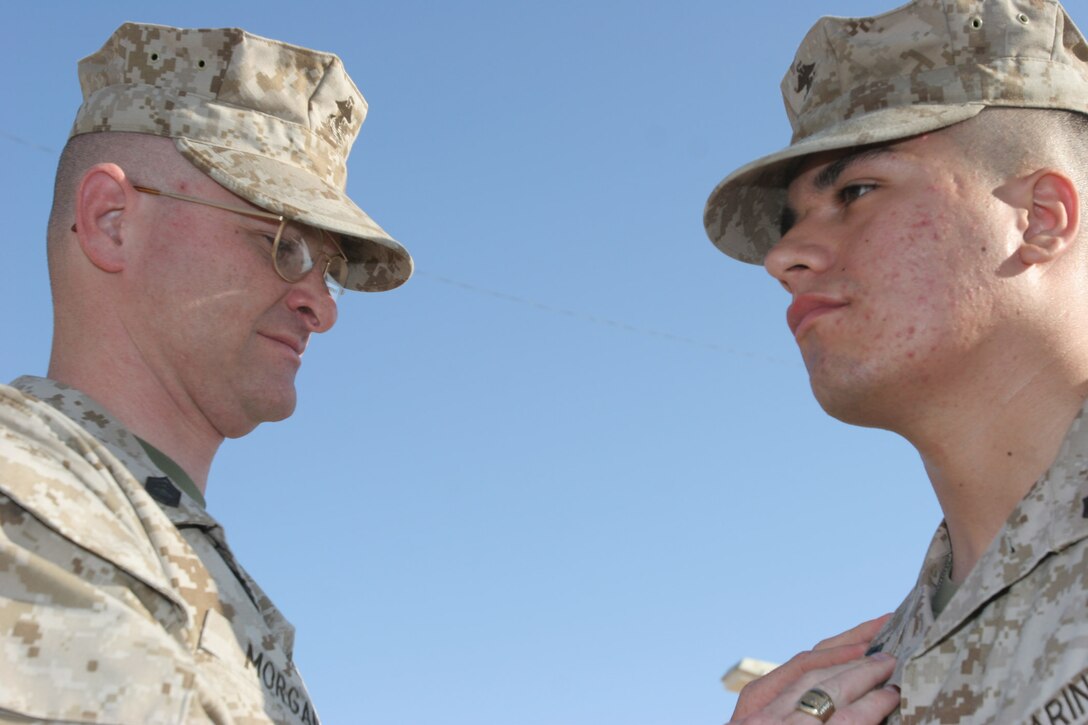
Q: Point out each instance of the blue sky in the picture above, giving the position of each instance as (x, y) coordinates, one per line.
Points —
(572, 471)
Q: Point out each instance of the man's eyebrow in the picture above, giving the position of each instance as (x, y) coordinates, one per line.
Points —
(834, 170)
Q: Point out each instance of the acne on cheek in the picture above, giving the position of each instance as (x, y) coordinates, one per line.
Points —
(922, 211)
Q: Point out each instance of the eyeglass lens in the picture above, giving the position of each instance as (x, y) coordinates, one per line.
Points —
(295, 257)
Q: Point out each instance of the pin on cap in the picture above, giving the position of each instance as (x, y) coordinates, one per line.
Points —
(271, 122)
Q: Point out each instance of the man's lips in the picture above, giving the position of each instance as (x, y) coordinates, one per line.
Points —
(806, 308)
(294, 343)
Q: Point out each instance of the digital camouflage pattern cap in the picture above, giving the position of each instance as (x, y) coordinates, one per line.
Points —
(271, 122)
(919, 68)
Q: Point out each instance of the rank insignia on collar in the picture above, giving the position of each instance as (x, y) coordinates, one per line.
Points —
(162, 490)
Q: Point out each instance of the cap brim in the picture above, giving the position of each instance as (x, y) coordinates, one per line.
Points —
(376, 261)
(744, 212)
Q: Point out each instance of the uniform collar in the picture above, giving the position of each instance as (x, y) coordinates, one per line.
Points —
(179, 506)
(176, 473)
(1052, 516)
(180, 509)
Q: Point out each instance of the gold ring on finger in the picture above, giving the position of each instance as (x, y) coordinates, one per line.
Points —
(817, 703)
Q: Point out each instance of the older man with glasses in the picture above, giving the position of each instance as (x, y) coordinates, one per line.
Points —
(200, 233)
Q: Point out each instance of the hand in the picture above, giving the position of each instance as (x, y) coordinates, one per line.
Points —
(836, 665)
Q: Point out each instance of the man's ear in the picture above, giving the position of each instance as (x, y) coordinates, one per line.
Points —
(101, 201)
(1053, 216)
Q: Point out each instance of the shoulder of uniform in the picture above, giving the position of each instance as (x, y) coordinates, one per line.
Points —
(68, 480)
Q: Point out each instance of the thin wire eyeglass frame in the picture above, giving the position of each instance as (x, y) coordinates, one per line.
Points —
(335, 286)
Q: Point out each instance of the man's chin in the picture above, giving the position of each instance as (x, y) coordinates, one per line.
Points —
(280, 409)
(851, 404)
(266, 408)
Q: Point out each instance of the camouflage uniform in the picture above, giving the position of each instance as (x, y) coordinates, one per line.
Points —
(120, 600)
(1011, 646)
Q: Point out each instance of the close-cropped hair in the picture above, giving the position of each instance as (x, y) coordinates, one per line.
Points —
(1014, 141)
(143, 157)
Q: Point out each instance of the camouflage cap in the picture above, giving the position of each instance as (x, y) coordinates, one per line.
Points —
(919, 68)
(269, 121)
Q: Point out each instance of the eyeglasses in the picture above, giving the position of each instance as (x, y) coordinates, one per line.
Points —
(293, 255)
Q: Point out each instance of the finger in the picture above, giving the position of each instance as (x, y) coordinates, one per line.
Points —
(849, 686)
(796, 676)
(870, 709)
(856, 680)
(841, 648)
(861, 634)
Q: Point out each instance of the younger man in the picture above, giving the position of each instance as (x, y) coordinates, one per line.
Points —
(926, 221)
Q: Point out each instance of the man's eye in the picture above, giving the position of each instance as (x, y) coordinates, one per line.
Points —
(853, 192)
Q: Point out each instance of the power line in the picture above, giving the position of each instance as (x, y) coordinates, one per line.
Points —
(23, 142)
(602, 321)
